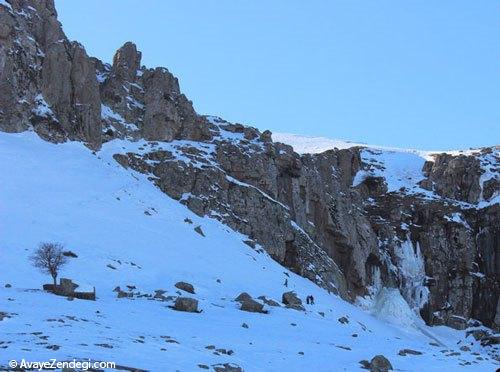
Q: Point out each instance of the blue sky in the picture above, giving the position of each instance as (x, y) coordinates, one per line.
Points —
(421, 74)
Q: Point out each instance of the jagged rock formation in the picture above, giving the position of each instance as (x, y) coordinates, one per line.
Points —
(306, 211)
(46, 81)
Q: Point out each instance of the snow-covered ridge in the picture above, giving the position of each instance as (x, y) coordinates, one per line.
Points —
(401, 168)
(316, 145)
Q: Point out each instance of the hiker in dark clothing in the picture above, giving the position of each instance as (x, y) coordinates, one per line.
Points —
(312, 300)
(286, 283)
(307, 299)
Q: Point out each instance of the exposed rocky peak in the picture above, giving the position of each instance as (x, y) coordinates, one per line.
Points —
(168, 113)
(126, 62)
(148, 103)
(469, 177)
(51, 85)
(48, 83)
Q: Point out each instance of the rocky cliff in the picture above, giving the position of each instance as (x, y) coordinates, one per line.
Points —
(339, 217)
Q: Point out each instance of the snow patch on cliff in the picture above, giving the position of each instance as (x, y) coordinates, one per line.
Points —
(108, 114)
(42, 108)
(401, 170)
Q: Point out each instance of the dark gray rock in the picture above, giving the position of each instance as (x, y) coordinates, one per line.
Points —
(243, 296)
(455, 177)
(249, 304)
(122, 294)
(343, 320)
(199, 230)
(252, 306)
(185, 287)
(405, 352)
(291, 300)
(187, 304)
(227, 367)
(380, 363)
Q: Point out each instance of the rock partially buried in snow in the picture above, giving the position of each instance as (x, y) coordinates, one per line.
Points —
(185, 287)
(249, 304)
(252, 306)
(268, 301)
(227, 367)
(186, 304)
(291, 300)
(343, 320)
(406, 352)
(199, 230)
(243, 296)
(380, 363)
(122, 294)
(3, 315)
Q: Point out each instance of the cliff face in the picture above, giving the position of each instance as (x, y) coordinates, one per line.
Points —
(335, 217)
(47, 82)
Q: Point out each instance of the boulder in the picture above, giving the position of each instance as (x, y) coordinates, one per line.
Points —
(243, 296)
(252, 306)
(380, 363)
(123, 294)
(249, 304)
(186, 304)
(187, 287)
(291, 300)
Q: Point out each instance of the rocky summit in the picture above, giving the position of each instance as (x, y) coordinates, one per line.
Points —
(408, 236)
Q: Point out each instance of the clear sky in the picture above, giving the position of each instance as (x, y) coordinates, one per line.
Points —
(413, 73)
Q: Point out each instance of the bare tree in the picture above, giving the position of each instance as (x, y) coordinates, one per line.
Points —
(49, 258)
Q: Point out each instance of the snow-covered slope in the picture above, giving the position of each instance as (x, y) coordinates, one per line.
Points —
(313, 145)
(126, 232)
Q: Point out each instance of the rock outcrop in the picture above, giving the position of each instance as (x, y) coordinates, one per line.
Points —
(186, 304)
(46, 82)
(438, 243)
